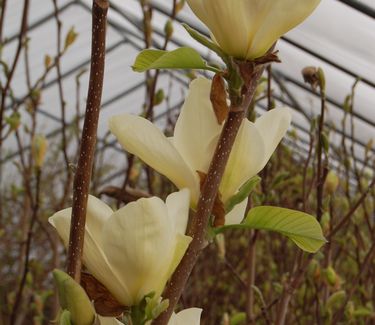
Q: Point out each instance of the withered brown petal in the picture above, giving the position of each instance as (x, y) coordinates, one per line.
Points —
(218, 97)
(105, 304)
(219, 212)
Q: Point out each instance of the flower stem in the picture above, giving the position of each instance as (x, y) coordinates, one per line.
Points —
(209, 192)
(88, 141)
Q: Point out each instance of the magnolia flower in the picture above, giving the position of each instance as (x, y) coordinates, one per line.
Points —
(194, 141)
(247, 29)
(134, 250)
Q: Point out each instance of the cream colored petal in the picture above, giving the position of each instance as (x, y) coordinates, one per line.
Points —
(191, 316)
(143, 139)
(181, 245)
(273, 126)
(245, 160)
(139, 244)
(97, 214)
(228, 22)
(93, 256)
(279, 17)
(247, 29)
(109, 321)
(61, 221)
(197, 126)
(166, 270)
(237, 214)
(178, 204)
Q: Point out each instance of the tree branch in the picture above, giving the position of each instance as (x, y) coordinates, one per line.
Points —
(88, 142)
(209, 192)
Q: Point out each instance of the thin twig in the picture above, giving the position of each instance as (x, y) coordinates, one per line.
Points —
(354, 208)
(27, 250)
(4, 91)
(354, 285)
(320, 176)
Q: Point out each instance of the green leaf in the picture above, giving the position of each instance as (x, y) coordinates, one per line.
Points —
(205, 42)
(243, 193)
(302, 228)
(336, 300)
(181, 58)
(363, 312)
(65, 318)
(238, 319)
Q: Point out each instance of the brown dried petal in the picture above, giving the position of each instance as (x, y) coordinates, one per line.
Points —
(218, 97)
(105, 304)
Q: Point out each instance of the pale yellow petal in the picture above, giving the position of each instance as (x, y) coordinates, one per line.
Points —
(93, 256)
(246, 29)
(279, 17)
(61, 221)
(166, 270)
(139, 244)
(191, 316)
(237, 214)
(143, 139)
(181, 245)
(97, 214)
(178, 204)
(109, 321)
(273, 126)
(245, 160)
(228, 22)
(197, 126)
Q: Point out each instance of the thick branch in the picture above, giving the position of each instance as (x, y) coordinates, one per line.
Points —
(88, 142)
(207, 197)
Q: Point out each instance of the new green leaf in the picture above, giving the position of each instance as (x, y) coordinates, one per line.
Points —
(243, 193)
(302, 228)
(181, 58)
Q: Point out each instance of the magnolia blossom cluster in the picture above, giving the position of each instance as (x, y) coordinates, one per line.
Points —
(133, 251)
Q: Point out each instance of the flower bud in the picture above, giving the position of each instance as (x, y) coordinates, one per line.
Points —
(331, 183)
(39, 147)
(74, 299)
(168, 29)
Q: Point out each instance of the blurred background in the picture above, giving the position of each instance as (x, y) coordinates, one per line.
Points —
(44, 59)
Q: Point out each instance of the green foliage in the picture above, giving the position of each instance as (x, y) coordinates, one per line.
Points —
(181, 58)
(302, 228)
(65, 318)
(243, 193)
(14, 120)
(148, 309)
(238, 319)
(205, 42)
(336, 300)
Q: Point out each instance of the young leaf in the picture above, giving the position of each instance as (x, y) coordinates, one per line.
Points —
(302, 228)
(65, 318)
(243, 193)
(181, 58)
(205, 42)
